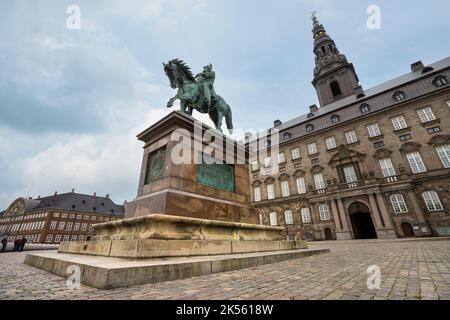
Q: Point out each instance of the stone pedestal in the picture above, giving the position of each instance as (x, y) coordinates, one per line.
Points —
(191, 188)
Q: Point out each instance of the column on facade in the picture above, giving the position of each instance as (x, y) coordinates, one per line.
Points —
(420, 216)
(342, 214)
(384, 211)
(375, 212)
(337, 219)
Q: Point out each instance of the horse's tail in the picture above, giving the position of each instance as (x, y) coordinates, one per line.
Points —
(229, 120)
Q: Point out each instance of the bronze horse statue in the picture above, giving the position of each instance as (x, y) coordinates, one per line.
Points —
(192, 97)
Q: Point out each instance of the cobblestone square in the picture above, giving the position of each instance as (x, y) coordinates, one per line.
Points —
(412, 270)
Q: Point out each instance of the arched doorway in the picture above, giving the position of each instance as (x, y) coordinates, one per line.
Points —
(361, 220)
(407, 229)
(328, 234)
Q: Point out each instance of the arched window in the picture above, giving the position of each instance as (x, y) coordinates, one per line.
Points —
(399, 96)
(273, 219)
(364, 108)
(306, 215)
(309, 128)
(286, 136)
(432, 201)
(398, 203)
(288, 218)
(335, 89)
(440, 81)
(335, 118)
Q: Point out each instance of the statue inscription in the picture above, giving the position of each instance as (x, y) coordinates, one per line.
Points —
(217, 175)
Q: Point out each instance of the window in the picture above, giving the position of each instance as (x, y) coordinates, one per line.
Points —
(310, 115)
(100, 219)
(295, 153)
(255, 166)
(86, 217)
(399, 123)
(415, 162)
(80, 237)
(306, 216)
(76, 227)
(309, 128)
(434, 130)
(301, 187)
(285, 189)
(331, 143)
(324, 212)
(387, 168)
(56, 214)
(73, 238)
(91, 227)
(72, 216)
(398, 203)
(66, 237)
(335, 89)
(94, 218)
(267, 162)
(444, 154)
(57, 238)
(64, 215)
(286, 136)
(432, 201)
(79, 216)
(53, 225)
(312, 148)
(373, 130)
(288, 218)
(440, 81)
(351, 137)
(257, 193)
(426, 114)
(49, 238)
(83, 227)
(69, 226)
(364, 108)
(405, 137)
(270, 191)
(319, 181)
(350, 174)
(61, 225)
(273, 219)
(399, 96)
(281, 158)
(335, 118)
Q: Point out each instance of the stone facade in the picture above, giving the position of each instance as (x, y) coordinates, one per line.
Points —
(383, 154)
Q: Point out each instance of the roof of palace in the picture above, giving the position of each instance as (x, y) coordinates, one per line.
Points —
(413, 84)
(73, 202)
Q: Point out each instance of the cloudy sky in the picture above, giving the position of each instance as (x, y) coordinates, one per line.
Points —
(72, 101)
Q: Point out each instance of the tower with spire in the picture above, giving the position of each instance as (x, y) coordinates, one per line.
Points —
(334, 77)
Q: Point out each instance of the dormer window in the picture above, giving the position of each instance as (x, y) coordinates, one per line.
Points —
(335, 118)
(310, 115)
(309, 128)
(364, 108)
(427, 69)
(399, 96)
(440, 81)
(286, 136)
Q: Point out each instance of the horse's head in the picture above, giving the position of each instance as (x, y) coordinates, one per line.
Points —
(178, 73)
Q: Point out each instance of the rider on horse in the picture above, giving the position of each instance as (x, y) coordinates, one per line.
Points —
(206, 79)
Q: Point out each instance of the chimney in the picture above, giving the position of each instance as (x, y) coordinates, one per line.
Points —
(277, 123)
(95, 194)
(417, 66)
(39, 196)
(107, 196)
(56, 193)
(313, 108)
(31, 198)
(73, 190)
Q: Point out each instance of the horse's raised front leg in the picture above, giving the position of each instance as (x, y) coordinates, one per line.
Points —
(171, 101)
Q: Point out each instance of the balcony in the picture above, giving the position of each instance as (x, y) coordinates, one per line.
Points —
(390, 179)
(351, 185)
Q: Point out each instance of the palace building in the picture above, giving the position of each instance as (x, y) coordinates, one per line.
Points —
(57, 218)
(364, 164)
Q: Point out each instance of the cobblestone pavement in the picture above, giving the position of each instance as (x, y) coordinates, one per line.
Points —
(409, 270)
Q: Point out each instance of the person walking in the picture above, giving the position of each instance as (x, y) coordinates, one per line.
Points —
(4, 243)
(22, 244)
(17, 244)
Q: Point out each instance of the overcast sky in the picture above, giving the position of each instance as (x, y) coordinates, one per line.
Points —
(72, 101)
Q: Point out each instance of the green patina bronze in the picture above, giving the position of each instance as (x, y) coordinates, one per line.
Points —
(216, 175)
(197, 93)
(155, 166)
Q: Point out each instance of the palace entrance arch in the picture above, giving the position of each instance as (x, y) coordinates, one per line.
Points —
(361, 219)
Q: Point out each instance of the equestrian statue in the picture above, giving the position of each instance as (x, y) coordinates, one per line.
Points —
(197, 93)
